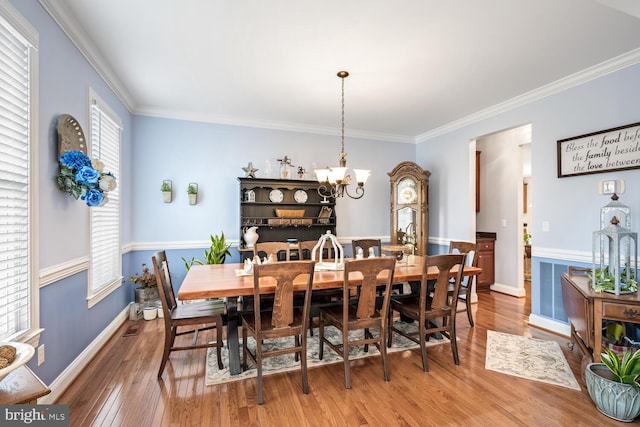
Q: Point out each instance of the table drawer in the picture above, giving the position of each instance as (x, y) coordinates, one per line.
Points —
(485, 245)
(621, 311)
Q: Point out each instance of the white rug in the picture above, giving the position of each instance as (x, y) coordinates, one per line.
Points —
(284, 363)
(528, 358)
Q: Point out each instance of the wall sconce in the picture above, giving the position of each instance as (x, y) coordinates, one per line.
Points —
(166, 190)
(192, 191)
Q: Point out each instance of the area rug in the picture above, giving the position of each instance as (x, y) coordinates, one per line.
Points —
(529, 358)
(284, 363)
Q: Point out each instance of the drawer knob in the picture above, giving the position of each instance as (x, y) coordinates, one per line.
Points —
(631, 312)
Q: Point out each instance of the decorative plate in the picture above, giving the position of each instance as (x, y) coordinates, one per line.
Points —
(24, 353)
(300, 196)
(276, 196)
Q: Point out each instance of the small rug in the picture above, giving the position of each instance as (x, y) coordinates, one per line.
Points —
(529, 358)
(286, 362)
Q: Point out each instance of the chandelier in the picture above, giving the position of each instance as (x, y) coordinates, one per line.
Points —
(334, 181)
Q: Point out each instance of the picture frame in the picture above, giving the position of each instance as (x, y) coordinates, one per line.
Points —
(608, 150)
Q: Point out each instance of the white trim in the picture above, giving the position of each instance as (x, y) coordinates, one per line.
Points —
(612, 65)
(19, 23)
(66, 377)
(58, 272)
(509, 290)
(104, 292)
(96, 99)
(561, 254)
(550, 325)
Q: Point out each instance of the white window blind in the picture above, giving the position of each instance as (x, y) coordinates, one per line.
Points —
(15, 315)
(105, 220)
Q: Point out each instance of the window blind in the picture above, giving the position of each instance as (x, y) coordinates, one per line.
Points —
(105, 220)
(15, 291)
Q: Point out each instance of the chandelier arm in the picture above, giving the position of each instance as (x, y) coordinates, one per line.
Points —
(326, 191)
(359, 192)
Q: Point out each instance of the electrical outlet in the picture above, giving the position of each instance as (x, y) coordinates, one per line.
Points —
(41, 355)
(504, 222)
(545, 226)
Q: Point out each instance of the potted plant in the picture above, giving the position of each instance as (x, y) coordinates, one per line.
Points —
(147, 290)
(614, 384)
(216, 254)
(166, 191)
(192, 191)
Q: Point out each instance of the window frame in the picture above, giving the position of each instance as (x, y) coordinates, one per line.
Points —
(27, 32)
(96, 295)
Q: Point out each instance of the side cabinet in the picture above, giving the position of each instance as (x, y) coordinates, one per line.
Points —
(486, 261)
(284, 209)
(579, 310)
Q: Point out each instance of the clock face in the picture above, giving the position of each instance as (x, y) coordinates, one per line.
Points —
(300, 196)
(409, 195)
(276, 196)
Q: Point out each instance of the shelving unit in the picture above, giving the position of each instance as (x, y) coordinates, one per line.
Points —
(258, 209)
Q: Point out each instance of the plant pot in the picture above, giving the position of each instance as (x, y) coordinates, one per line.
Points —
(150, 313)
(193, 199)
(615, 400)
(147, 296)
(166, 196)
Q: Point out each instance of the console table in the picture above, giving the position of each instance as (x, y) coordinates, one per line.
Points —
(587, 309)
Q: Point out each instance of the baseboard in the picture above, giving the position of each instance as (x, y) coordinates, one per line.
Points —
(64, 380)
(550, 325)
(509, 290)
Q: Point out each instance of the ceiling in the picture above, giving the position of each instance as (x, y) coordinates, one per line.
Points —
(417, 67)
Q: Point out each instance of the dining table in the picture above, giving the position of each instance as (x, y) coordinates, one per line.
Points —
(230, 281)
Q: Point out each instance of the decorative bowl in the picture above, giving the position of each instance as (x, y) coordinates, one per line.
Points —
(24, 353)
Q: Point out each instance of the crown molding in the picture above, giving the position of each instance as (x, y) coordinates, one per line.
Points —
(614, 64)
(59, 12)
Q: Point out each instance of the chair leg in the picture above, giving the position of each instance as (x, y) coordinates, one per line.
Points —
(303, 364)
(296, 356)
(321, 336)
(244, 348)
(259, 368)
(169, 338)
(454, 344)
(219, 342)
(345, 356)
(423, 346)
(383, 350)
(390, 328)
(467, 302)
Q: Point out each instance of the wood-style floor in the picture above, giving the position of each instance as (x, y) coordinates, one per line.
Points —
(120, 387)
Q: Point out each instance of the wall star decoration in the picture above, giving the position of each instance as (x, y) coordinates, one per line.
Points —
(250, 171)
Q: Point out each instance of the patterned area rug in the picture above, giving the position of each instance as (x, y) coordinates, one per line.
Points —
(528, 358)
(284, 363)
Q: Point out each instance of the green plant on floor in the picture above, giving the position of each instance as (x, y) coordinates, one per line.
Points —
(216, 254)
(625, 370)
(145, 280)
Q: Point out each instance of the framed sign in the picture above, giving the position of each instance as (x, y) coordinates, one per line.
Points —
(604, 151)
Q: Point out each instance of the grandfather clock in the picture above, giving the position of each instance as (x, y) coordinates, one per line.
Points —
(410, 207)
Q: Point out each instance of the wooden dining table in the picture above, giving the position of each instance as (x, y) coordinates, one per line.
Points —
(228, 281)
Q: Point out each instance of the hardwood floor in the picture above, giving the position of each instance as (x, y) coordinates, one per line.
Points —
(120, 387)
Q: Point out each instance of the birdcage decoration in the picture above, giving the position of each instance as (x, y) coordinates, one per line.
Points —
(615, 260)
(338, 261)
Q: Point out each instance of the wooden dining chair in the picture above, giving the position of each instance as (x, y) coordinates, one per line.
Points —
(366, 245)
(280, 250)
(284, 320)
(200, 316)
(434, 311)
(471, 250)
(362, 314)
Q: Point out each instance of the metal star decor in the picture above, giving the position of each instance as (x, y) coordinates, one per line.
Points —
(250, 171)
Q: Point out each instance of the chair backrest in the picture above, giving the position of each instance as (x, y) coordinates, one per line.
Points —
(267, 248)
(444, 263)
(369, 268)
(366, 244)
(282, 275)
(167, 298)
(471, 250)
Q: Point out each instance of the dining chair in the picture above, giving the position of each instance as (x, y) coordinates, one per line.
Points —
(266, 249)
(361, 314)
(202, 315)
(431, 307)
(366, 245)
(466, 284)
(284, 320)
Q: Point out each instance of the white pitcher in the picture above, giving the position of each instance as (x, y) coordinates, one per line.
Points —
(250, 236)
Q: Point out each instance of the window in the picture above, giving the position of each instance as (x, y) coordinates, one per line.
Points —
(105, 273)
(18, 266)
